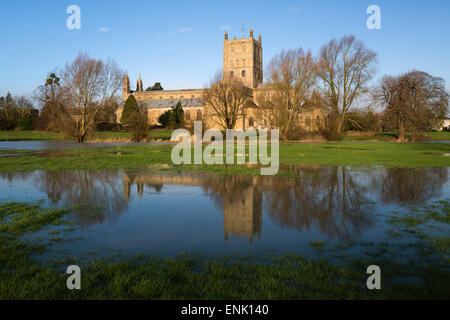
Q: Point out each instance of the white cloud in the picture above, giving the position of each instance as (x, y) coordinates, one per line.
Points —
(187, 29)
(103, 29)
(294, 10)
(181, 30)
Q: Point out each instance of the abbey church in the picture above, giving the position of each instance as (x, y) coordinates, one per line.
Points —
(242, 58)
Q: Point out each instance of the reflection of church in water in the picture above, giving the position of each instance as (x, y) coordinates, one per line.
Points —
(242, 212)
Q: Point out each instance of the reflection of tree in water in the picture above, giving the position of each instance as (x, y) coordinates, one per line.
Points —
(98, 192)
(332, 198)
(130, 178)
(13, 176)
(328, 196)
(413, 185)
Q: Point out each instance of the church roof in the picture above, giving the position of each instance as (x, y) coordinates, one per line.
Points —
(167, 103)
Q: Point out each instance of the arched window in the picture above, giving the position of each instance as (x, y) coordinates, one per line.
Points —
(231, 74)
(251, 122)
(243, 73)
(187, 115)
(199, 115)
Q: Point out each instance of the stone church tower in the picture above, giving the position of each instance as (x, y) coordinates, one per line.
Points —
(126, 86)
(140, 85)
(242, 58)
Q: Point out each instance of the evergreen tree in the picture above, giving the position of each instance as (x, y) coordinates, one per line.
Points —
(8, 113)
(130, 107)
(164, 118)
(173, 118)
(177, 119)
(156, 87)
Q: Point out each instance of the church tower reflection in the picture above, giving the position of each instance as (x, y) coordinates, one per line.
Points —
(239, 197)
(242, 216)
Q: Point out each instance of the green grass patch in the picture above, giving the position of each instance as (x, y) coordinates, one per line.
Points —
(391, 136)
(29, 136)
(317, 244)
(12, 135)
(388, 154)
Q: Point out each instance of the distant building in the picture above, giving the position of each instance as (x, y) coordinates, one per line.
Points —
(242, 58)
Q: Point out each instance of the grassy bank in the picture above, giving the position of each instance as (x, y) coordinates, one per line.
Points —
(392, 136)
(191, 277)
(164, 134)
(98, 136)
(13, 135)
(389, 154)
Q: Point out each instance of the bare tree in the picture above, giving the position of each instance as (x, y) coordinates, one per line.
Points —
(345, 68)
(92, 85)
(414, 100)
(24, 106)
(53, 99)
(8, 114)
(16, 112)
(225, 99)
(291, 77)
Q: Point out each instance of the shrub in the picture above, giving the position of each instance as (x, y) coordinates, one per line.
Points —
(173, 118)
(296, 133)
(164, 118)
(138, 124)
(25, 123)
(330, 131)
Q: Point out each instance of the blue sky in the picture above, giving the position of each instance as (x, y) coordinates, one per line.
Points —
(179, 43)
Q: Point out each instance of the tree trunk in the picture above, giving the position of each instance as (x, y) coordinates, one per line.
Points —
(401, 134)
(339, 125)
(81, 137)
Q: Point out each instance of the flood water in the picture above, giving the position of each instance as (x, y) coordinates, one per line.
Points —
(170, 213)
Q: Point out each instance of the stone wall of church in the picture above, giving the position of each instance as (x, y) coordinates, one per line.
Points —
(254, 118)
(190, 115)
(164, 94)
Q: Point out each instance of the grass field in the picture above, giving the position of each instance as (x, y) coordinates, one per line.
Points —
(164, 134)
(391, 136)
(100, 135)
(389, 154)
(29, 136)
